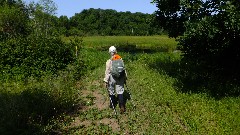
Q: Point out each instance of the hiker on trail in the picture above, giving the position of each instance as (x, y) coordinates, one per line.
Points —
(115, 78)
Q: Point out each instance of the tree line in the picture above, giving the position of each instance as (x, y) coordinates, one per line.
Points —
(109, 22)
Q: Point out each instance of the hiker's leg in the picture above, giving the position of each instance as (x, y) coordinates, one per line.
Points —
(120, 90)
(111, 86)
(120, 85)
(111, 90)
(121, 103)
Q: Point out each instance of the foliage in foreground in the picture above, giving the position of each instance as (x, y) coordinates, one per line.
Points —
(29, 106)
(34, 104)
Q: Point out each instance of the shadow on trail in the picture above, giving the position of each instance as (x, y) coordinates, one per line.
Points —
(30, 111)
(192, 79)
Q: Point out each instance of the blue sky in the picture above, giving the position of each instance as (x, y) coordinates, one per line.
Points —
(70, 7)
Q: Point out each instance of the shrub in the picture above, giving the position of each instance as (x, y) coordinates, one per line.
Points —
(34, 56)
(13, 21)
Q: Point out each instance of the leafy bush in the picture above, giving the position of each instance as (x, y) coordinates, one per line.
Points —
(13, 21)
(210, 48)
(34, 56)
(211, 44)
(210, 32)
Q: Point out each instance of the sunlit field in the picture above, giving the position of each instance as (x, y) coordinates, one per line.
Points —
(142, 42)
(160, 102)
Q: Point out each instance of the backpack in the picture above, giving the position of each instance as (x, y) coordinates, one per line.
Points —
(118, 69)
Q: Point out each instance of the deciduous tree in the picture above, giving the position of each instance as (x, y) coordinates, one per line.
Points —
(209, 34)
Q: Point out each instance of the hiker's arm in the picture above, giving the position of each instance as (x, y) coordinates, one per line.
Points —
(107, 71)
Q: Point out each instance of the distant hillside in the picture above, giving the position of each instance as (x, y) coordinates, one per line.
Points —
(109, 22)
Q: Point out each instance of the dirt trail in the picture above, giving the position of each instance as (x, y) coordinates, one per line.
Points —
(100, 104)
(94, 93)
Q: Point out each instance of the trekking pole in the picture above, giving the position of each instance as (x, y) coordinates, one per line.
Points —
(113, 106)
(130, 95)
(115, 112)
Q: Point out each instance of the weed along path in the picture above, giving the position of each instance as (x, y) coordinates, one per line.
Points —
(157, 107)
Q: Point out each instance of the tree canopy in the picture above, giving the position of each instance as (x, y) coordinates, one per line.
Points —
(208, 33)
(110, 22)
(29, 45)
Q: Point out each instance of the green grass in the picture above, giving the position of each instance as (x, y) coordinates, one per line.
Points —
(162, 104)
(199, 112)
(29, 106)
(162, 109)
(162, 43)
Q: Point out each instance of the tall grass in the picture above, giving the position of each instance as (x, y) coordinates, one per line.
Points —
(27, 107)
(164, 108)
(158, 43)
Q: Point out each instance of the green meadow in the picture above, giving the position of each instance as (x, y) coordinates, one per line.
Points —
(159, 100)
(162, 43)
